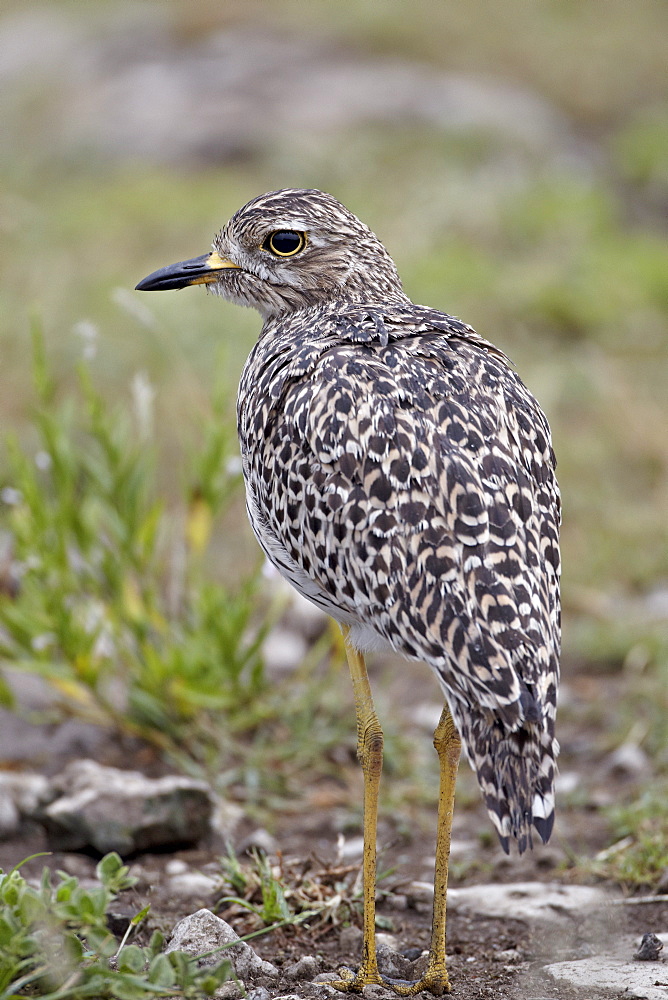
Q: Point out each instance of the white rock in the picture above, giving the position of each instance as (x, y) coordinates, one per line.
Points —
(20, 794)
(386, 941)
(462, 848)
(203, 931)
(10, 819)
(176, 867)
(194, 884)
(614, 970)
(304, 617)
(534, 902)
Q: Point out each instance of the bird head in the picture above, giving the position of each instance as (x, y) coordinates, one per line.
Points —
(288, 250)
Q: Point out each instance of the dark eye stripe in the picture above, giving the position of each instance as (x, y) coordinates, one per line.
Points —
(284, 242)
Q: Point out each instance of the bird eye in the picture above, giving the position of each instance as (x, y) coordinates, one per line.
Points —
(284, 243)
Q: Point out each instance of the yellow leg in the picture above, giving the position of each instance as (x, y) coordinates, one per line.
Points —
(448, 747)
(370, 754)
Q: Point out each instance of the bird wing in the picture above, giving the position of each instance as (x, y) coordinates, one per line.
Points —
(410, 477)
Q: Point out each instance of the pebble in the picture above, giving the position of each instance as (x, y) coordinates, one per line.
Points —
(650, 949)
(21, 793)
(628, 760)
(350, 847)
(510, 956)
(229, 991)
(176, 866)
(203, 931)
(195, 884)
(259, 840)
(390, 962)
(305, 969)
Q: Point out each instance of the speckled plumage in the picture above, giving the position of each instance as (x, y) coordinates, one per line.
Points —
(400, 475)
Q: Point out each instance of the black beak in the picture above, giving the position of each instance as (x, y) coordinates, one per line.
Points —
(198, 271)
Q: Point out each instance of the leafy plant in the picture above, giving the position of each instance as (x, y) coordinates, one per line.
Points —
(273, 907)
(96, 609)
(276, 894)
(55, 943)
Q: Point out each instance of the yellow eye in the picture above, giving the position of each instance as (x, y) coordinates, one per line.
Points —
(284, 243)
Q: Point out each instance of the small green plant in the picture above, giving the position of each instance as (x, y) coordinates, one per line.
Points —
(55, 944)
(273, 907)
(96, 609)
(278, 892)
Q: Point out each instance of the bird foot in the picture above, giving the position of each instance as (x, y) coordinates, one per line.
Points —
(434, 981)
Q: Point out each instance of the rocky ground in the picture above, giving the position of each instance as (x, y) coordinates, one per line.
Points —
(518, 927)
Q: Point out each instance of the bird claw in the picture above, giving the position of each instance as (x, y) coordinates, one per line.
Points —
(434, 981)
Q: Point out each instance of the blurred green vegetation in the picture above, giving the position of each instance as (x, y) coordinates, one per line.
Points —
(560, 259)
(639, 854)
(57, 943)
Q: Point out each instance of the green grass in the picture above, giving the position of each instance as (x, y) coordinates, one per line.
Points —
(107, 596)
(638, 853)
(55, 943)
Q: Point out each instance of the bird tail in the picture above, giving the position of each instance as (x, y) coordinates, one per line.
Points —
(516, 770)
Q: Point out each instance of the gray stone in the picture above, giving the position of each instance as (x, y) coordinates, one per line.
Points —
(650, 948)
(20, 795)
(229, 991)
(113, 810)
(510, 956)
(306, 969)
(259, 840)
(533, 902)
(194, 884)
(350, 938)
(392, 964)
(203, 932)
(422, 893)
(225, 817)
(614, 970)
(629, 761)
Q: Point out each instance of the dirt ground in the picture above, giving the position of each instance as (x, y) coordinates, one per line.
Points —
(487, 958)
